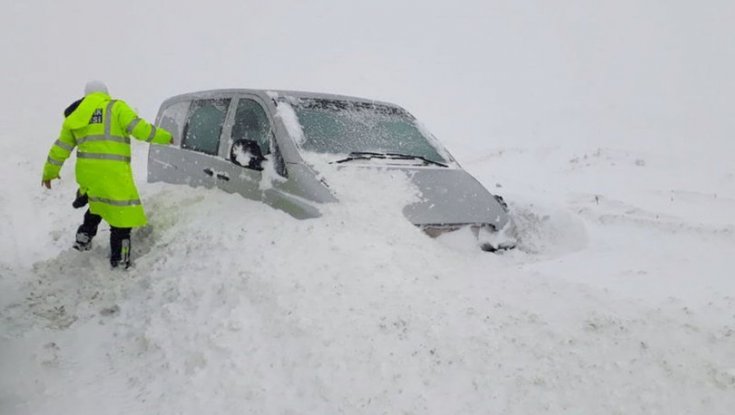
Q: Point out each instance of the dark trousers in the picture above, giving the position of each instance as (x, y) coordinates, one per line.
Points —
(119, 237)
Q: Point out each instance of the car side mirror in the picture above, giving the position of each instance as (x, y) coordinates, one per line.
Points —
(246, 153)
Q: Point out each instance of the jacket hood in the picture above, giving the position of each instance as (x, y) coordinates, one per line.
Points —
(95, 86)
(81, 116)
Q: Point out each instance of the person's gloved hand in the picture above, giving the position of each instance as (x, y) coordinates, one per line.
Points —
(46, 183)
(81, 200)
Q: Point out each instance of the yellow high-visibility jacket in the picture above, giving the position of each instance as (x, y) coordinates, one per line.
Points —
(99, 129)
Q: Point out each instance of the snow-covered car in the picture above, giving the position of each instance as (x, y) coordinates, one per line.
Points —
(232, 139)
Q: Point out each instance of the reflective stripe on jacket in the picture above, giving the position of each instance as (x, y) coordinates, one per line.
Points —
(99, 129)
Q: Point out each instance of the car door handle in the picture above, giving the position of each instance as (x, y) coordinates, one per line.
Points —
(210, 172)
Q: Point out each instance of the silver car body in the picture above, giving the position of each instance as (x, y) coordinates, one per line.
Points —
(451, 198)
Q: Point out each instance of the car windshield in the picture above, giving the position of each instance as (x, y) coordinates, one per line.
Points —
(345, 127)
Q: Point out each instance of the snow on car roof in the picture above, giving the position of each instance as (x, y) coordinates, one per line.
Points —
(269, 93)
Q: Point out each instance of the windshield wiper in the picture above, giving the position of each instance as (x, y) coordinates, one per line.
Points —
(412, 157)
(361, 155)
(367, 155)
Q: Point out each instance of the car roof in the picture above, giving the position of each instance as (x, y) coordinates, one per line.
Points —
(269, 94)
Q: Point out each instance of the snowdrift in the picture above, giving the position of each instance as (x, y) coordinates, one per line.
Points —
(234, 307)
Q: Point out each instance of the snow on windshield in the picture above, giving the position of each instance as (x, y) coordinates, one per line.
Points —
(433, 140)
(342, 127)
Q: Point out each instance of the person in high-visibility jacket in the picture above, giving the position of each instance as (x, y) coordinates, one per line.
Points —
(99, 128)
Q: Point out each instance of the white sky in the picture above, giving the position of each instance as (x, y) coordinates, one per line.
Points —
(537, 72)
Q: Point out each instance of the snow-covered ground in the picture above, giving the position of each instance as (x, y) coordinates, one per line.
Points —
(620, 300)
(605, 127)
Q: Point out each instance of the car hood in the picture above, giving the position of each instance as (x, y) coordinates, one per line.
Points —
(452, 197)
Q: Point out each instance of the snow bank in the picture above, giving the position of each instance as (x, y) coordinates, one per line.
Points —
(232, 305)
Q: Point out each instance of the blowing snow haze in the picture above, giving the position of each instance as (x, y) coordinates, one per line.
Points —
(640, 72)
(608, 126)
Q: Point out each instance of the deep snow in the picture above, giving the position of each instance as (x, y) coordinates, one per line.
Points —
(605, 125)
(609, 306)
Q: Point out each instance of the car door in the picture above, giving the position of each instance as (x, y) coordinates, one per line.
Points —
(270, 182)
(247, 121)
(164, 162)
(196, 160)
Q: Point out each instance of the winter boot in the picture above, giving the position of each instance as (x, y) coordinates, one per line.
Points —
(120, 247)
(122, 261)
(87, 231)
(83, 242)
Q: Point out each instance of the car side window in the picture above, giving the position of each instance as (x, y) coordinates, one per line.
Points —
(204, 125)
(251, 123)
(173, 119)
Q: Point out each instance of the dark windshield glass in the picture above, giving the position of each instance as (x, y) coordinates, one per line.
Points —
(343, 127)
